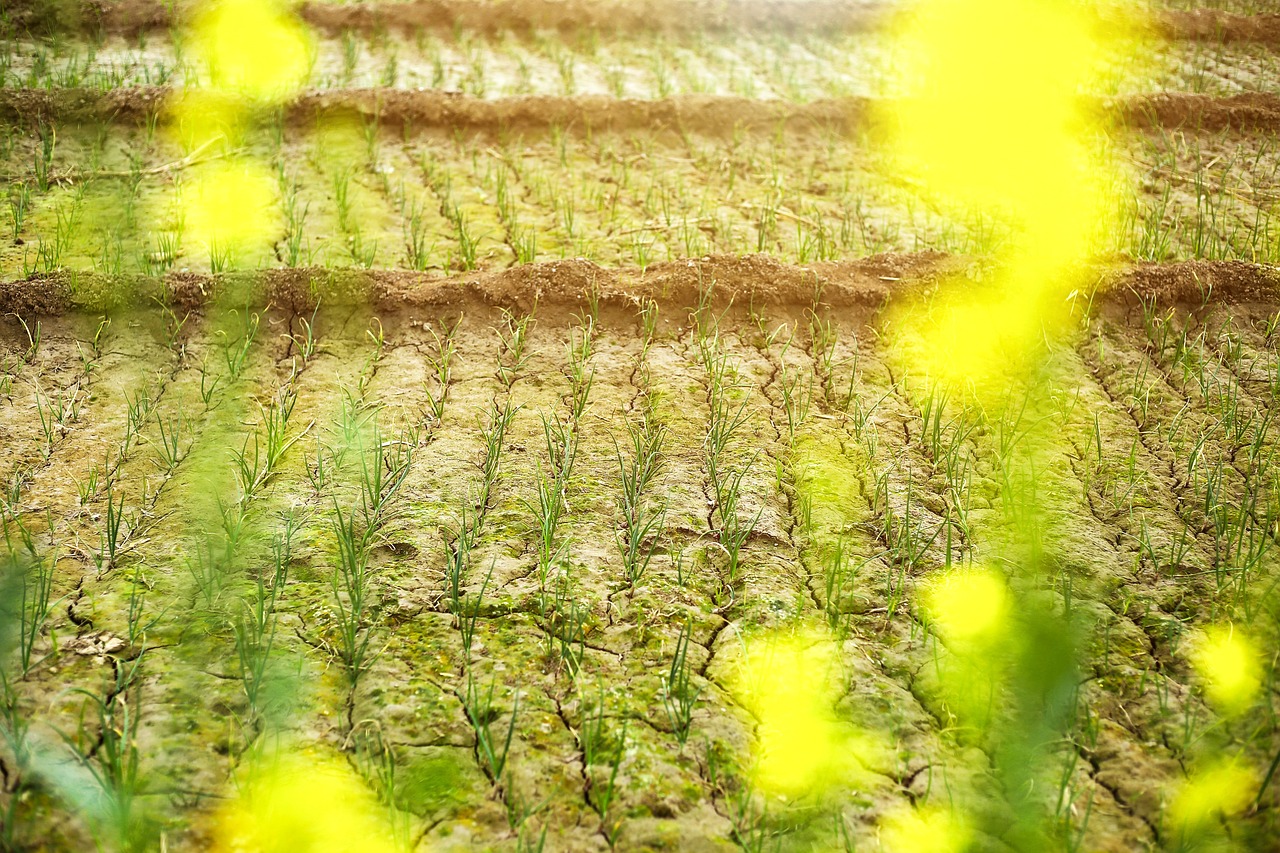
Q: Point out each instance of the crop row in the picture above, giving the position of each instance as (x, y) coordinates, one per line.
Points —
(752, 65)
(349, 194)
(484, 547)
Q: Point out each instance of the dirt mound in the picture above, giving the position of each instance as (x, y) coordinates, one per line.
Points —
(701, 113)
(410, 111)
(717, 280)
(426, 110)
(28, 107)
(1246, 112)
(485, 16)
(1219, 27)
(1194, 282)
(611, 16)
(492, 17)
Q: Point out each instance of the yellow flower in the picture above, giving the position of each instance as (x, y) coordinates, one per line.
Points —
(1221, 791)
(254, 49)
(229, 205)
(969, 606)
(786, 684)
(1228, 664)
(304, 804)
(924, 830)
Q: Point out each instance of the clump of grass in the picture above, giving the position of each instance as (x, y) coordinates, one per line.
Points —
(514, 338)
(642, 520)
(492, 747)
(352, 596)
(255, 628)
(441, 363)
(27, 603)
(679, 696)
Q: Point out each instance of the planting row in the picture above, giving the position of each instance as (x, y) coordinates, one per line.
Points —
(350, 194)
(753, 65)
(632, 575)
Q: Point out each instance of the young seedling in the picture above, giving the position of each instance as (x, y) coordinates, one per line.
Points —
(642, 522)
(603, 796)
(111, 757)
(415, 238)
(564, 622)
(797, 395)
(514, 339)
(305, 341)
(733, 531)
(442, 368)
(581, 377)
(352, 596)
(459, 541)
(27, 576)
(468, 240)
(547, 512)
(138, 409)
(19, 206)
(494, 436)
(836, 575)
(113, 534)
(679, 696)
(490, 753)
(236, 351)
(467, 609)
(256, 623)
(295, 230)
(383, 469)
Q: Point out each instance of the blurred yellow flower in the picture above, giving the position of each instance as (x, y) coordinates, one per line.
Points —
(304, 804)
(786, 684)
(1228, 664)
(924, 830)
(969, 606)
(1221, 791)
(229, 205)
(254, 49)
(991, 121)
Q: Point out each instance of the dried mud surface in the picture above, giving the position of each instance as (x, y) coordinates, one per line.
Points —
(831, 477)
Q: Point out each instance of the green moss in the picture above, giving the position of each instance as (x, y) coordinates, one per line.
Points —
(830, 481)
(428, 782)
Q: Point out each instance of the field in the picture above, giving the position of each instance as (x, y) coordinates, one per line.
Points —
(569, 426)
